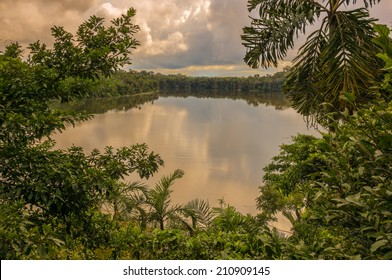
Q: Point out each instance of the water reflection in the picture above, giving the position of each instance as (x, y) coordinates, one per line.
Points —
(221, 144)
(275, 99)
(102, 105)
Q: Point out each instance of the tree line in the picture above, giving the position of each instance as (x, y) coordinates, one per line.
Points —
(256, 83)
(134, 82)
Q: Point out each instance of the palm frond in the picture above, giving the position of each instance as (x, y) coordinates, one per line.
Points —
(367, 3)
(348, 62)
(270, 37)
(337, 60)
(200, 213)
(300, 84)
(158, 198)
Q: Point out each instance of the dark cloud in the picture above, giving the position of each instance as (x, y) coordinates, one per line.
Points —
(210, 32)
(227, 19)
(77, 5)
(27, 21)
(173, 30)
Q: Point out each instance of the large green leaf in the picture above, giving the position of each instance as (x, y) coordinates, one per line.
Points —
(378, 244)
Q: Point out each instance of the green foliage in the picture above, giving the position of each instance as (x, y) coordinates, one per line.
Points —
(152, 208)
(355, 194)
(340, 185)
(130, 242)
(200, 214)
(246, 85)
(94, 50)
(337, 60)
(134, 83)
(345, 188)
(13, 50)
(272, 34)
(158, 200)
(289, 180)
(64, 72)
(56, 194)
(336, 190)
(124, 83)
(385, 42)
(68, 187)
(227, 218)
(21, 238)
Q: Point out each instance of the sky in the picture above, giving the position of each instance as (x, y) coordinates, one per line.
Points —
(191, 37)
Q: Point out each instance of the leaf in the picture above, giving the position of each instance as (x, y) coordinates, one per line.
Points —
(388, 256)
(387, 59)
(354, 199)
(376, 245)
(383, 39)
(57, 241)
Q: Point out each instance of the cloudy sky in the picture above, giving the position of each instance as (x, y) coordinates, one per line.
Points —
(193, 37)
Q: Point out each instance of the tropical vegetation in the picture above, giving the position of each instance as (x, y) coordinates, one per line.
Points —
(334, 67)
(134, 82)
(69, 204)
(335, 190)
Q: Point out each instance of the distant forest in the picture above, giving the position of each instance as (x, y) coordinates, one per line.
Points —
(134, 82)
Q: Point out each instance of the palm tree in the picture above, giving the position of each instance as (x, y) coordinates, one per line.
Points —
(336, 65)
(197, 214)
(159, 202)
(126, 202)
(228, 219)
(134, 201)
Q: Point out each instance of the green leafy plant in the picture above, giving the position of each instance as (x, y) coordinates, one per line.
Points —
(57, 194)
(346, 203)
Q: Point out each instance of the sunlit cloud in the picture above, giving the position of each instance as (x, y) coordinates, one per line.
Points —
(174, 43)
(110, 10)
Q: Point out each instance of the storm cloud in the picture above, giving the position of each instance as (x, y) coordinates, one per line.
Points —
(26, 21)
(194, 37)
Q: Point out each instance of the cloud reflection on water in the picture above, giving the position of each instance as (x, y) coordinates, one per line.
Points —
(221, 144)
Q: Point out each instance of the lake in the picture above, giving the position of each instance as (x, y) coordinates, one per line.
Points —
(222, 144)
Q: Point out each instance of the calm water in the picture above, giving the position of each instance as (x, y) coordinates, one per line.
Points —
(221, 144)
